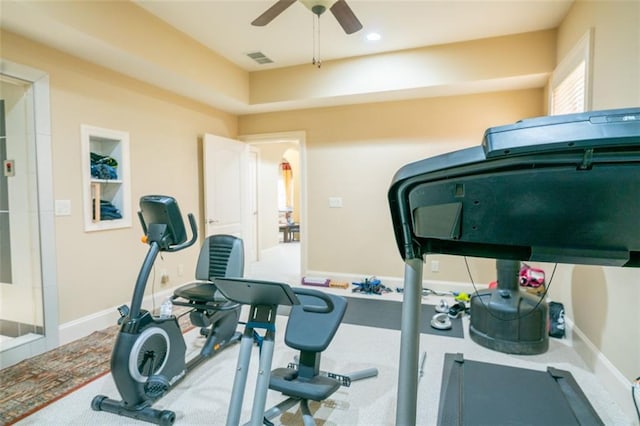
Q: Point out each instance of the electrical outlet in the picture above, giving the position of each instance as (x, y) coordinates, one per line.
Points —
(180, 269)
(435, 266)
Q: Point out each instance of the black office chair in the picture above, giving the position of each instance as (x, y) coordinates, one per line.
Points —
(310, 333)
(220, 256)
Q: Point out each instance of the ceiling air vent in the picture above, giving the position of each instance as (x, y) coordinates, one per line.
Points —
(260, 58)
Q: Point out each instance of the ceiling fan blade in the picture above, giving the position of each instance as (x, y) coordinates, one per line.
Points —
(345, 16)
(271, 13)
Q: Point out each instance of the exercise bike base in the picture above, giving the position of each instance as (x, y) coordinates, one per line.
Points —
(147, 414)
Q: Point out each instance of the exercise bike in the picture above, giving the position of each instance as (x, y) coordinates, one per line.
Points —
(148, 357)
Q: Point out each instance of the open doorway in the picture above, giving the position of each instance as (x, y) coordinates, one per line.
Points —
(288, 196)
(279, 216)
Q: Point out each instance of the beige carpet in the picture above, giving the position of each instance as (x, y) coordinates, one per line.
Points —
(203, 398)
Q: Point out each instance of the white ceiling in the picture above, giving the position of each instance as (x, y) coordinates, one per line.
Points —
(225, 25)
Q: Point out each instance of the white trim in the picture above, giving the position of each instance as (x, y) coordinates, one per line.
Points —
(611, 378)
(581, 51)
(123, 184)
(84, 326)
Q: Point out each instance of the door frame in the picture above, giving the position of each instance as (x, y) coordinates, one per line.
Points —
(253, 186)
(301, 138)
(42, 123)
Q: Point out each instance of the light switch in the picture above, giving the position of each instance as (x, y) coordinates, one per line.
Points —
(335, 202)
(63, 207)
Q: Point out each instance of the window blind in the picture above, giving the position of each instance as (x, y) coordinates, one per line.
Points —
(568, 96)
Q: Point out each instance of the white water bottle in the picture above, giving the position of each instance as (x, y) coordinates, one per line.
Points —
(166, 308)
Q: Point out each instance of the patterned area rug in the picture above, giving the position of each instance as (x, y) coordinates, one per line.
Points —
(36, 382)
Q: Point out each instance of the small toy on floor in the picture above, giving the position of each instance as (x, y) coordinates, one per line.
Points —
(371, 285)
(323, 282)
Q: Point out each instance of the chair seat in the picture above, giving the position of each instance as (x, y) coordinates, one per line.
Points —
(200, 292)
(317, 388)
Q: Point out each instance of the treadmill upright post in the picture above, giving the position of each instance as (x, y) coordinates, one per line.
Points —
(409, 343)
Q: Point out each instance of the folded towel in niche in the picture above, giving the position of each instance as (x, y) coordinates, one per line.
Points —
(108, 211)
(103, 171)
(103, 166)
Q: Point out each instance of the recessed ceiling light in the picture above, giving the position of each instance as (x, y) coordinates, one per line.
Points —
(373, 36)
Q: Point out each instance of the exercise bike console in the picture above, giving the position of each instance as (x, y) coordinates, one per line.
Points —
(165, 223)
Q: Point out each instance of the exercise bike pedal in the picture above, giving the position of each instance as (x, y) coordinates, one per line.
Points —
(156, 386)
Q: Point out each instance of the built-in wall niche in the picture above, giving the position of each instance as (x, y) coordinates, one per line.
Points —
(106, 178)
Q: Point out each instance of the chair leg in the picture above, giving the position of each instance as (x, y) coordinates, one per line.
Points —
(307, 417)
(282, 407)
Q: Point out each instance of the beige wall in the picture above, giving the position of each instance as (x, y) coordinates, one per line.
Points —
(164, 130)
(603, 301)
(97, 270)
(135, 42)
(425, 71)
(353, 153)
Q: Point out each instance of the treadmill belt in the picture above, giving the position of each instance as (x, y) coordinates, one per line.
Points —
(478, 393)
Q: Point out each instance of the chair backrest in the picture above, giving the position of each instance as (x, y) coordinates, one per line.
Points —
(220, 256)
(310, 331)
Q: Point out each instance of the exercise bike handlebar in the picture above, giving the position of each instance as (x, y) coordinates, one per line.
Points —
(317, 294)
(194, 235)
(156, 245)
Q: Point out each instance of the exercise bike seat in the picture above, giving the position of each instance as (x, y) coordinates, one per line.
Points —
(310, 333)
(220, 256)
(199, 292)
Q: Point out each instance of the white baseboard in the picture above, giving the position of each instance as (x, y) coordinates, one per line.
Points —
(81, 327)
(611, 378)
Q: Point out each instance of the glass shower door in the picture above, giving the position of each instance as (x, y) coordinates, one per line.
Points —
(21, 291)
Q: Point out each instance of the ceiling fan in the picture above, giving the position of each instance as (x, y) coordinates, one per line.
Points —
(339, 8)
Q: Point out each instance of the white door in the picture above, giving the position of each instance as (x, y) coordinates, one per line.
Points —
(253, 204)
(225, 187)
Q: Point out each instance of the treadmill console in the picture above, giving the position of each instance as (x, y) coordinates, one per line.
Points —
(554, 189)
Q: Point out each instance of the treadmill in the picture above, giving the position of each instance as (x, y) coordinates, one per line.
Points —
(562, 189)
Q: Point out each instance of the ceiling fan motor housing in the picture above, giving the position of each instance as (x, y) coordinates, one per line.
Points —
(318, 7)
